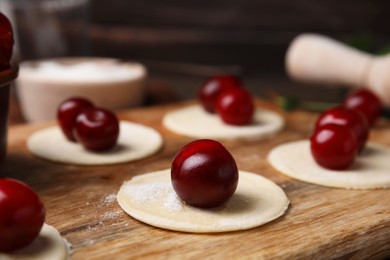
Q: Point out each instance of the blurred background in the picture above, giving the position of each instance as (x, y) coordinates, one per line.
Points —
(193, 39)
(183, 42)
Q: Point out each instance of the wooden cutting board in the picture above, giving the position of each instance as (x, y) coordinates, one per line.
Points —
(321, 222)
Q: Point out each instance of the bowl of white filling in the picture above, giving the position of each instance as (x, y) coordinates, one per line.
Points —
(43, 84)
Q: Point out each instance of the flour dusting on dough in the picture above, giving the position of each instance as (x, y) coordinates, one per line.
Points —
(151, 199)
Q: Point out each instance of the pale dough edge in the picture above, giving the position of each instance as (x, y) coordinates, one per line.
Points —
(152, 220)
(60, 250)
(278, 162)
(35, 148)
(275, 125)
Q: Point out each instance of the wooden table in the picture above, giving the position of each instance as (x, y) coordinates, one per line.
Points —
(321, 222)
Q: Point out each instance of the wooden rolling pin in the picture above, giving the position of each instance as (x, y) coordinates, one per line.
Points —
(319, 59)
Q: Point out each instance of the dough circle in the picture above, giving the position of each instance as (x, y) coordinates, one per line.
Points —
(135, 142)
(49, 245)
(193, 121)
(369, 171)
(151, 199)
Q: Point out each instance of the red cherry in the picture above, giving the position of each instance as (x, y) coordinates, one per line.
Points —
(366, 102)
(343, 116)
(204, 174)
(334, 146)
(6, 42)
(22, 215)
(97, 129)
(67, 113)
(211, 89)
(235, 106)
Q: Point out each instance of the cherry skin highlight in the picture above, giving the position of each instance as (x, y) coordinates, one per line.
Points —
(235, 107)
(67, 113)
(204, 174)
(342, 116)
(22, 215)
(213, 87)
(366, 102)
(97, 129)
(6, 42)
(334, 146)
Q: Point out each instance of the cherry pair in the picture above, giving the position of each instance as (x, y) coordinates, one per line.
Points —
(341, 132)
(226, 96)
(97, 129)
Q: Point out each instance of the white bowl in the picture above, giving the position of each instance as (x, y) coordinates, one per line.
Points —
(43, 84)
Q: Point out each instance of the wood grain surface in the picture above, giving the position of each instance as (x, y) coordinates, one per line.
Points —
(321, 222)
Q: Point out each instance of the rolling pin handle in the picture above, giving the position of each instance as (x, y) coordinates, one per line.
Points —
(320, 59)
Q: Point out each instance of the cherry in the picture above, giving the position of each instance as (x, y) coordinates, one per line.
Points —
(211, 89)
(235, 106)
(22, 215)
(366, 102)
(342, 116)
(334, 146)
(6, 42)
(67, 113)
(204, 174)
(97, 129)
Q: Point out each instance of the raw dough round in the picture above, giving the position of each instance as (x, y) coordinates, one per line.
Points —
(135, 142)
(49, 245)
(369, 171)
(194, 121)
(151, 199)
